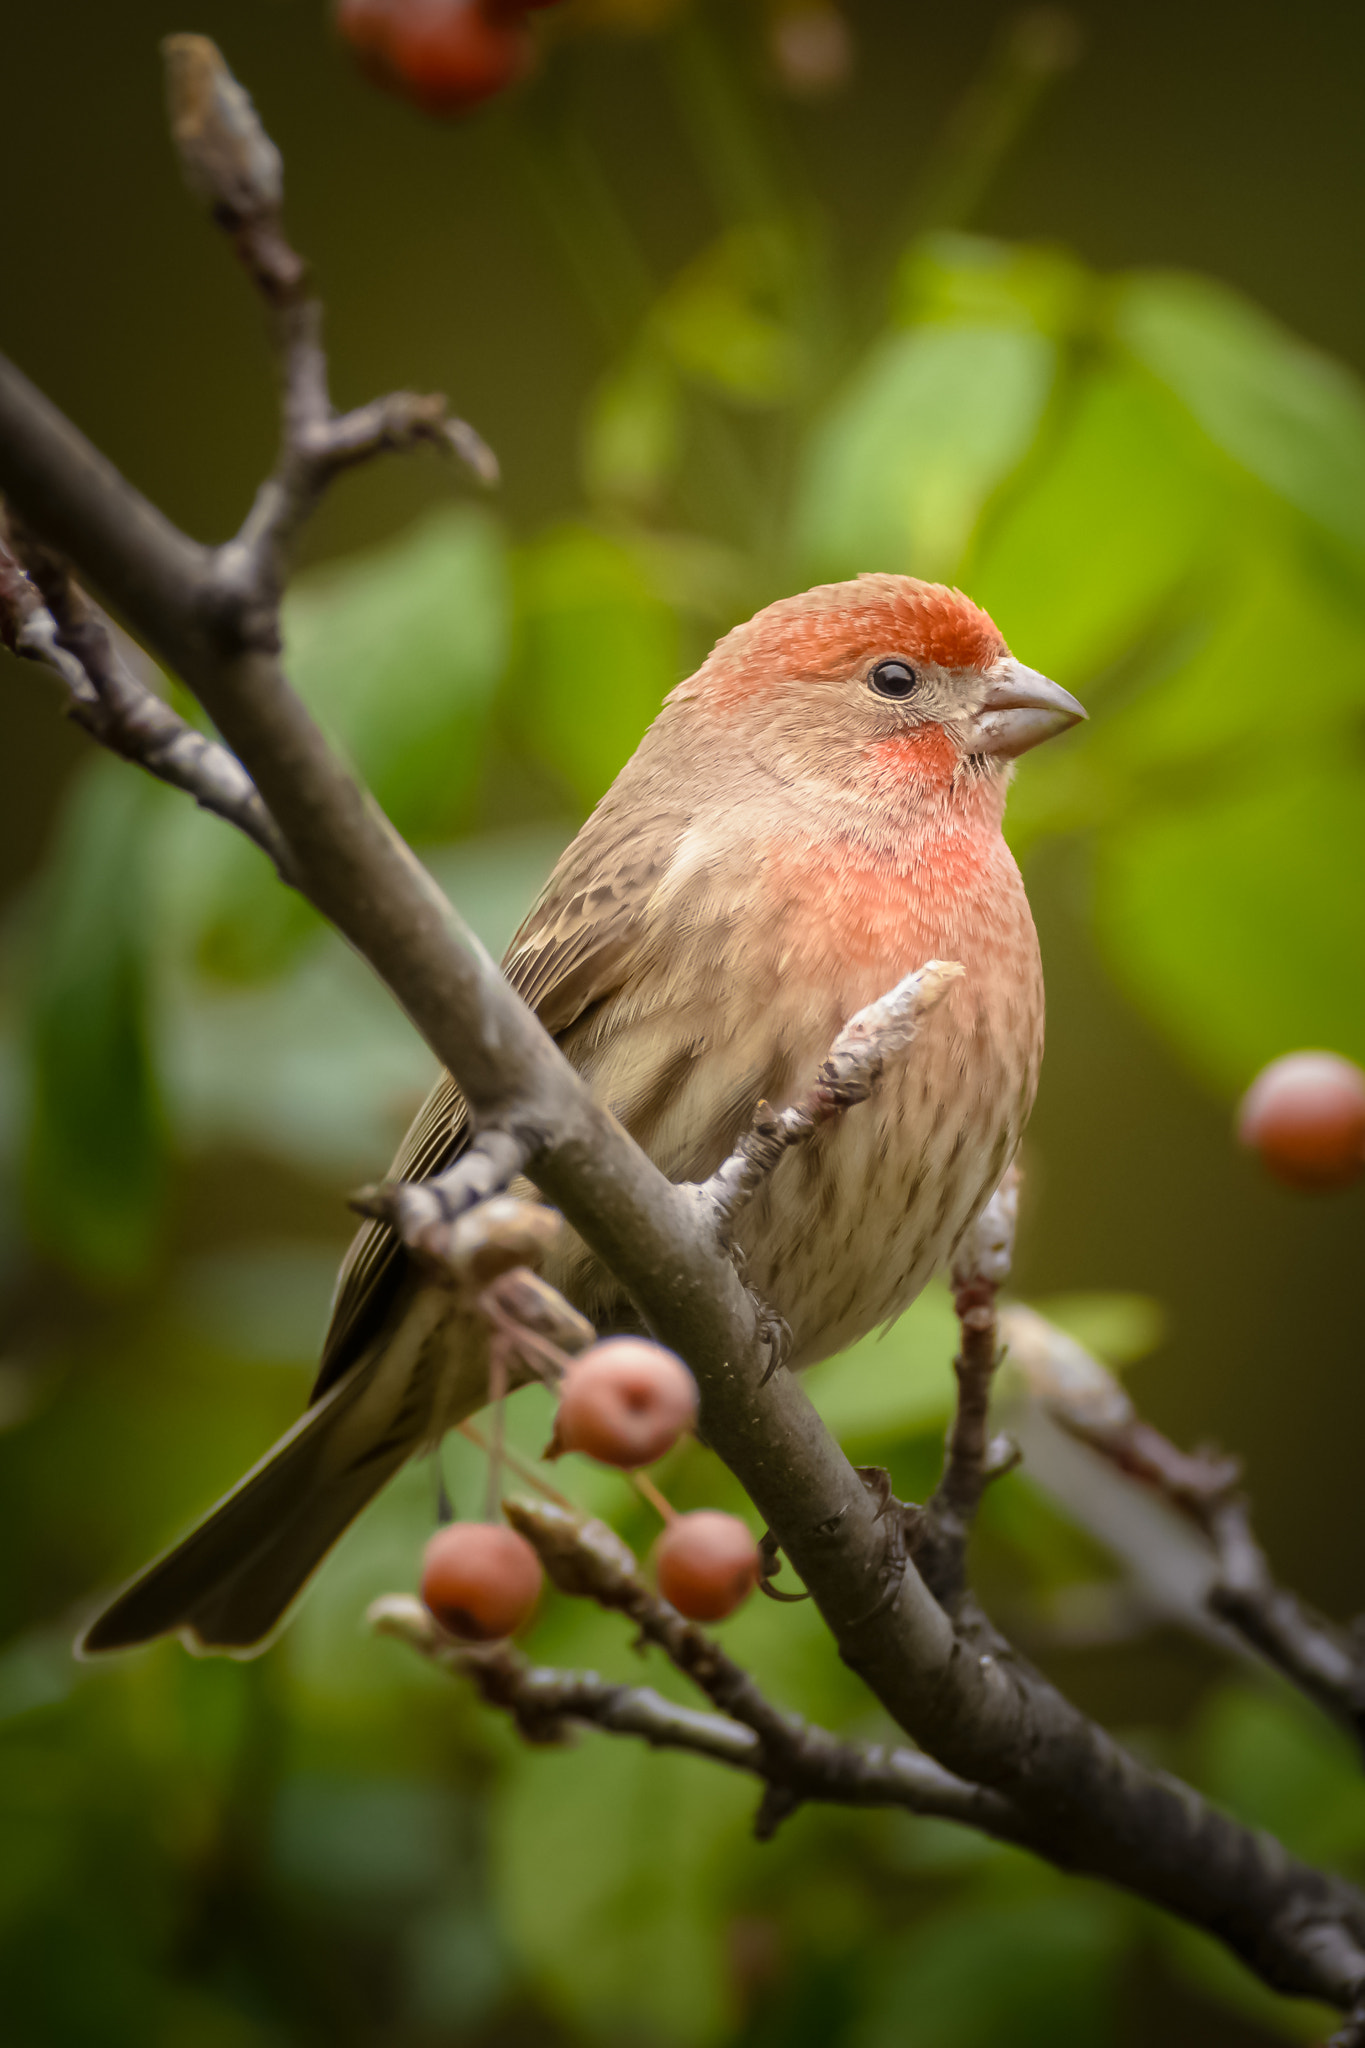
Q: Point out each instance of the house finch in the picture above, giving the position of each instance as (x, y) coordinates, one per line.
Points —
(811, 815)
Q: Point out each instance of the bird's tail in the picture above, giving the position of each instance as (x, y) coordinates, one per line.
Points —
(228, 1584)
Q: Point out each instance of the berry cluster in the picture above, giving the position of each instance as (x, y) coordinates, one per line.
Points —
(625, 1403)
(444, 55)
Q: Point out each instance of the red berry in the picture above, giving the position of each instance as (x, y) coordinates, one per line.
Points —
(480, 1580)
(364, 24)
(625, 1402)
(707, 1564)
(1305, 1115)
(445, 55)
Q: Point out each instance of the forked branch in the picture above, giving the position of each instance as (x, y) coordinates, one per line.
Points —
(234, 169)
(1324, 1660)
(45, 618)
(797, 1761)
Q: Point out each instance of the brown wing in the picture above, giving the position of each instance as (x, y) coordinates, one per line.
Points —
(575, 948)
(373, 1266)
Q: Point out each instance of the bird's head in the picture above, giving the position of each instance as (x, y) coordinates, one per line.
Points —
(884, 680)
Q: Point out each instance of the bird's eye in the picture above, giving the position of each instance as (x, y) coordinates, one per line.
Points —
(893, 679)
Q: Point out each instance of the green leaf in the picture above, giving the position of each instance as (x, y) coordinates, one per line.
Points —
(617, 1866)
(96, 1150)
(895, 1383)
(1119, 1328)
(1036, 1972)
(1290, 415)
(318, 1065)
(1224, 791)
(727, 319)
(1238, 926)
(1275, 1762)
(902, 462)
(1215, 1974)
(599, 650)
(972, 279)
(1216, 714)
(631, 433)
(400, 652)
(249, 927)
(1119, 504)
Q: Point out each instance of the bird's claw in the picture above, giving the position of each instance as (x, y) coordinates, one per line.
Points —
(776, 1336)
(901, 1520)
(770, 1564)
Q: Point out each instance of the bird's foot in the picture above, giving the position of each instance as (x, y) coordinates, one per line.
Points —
(774, 1334)
(902, 1521)
(769, 1566)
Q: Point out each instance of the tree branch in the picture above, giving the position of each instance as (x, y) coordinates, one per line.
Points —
(212, 617)
(1325, 1661)
(797, 1761)
(541, 1700)
(235, 170)
(45, 618)
(981, 1266)
(854, 1065)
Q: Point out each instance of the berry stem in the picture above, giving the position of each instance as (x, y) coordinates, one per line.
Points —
(645, 1486)
(497, 1399)
(445, 1506)
(526, 1472)
(546, 1359)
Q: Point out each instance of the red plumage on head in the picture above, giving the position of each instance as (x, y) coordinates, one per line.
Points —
(831, 629)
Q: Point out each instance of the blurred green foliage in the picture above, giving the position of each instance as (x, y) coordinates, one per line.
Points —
(1160, 495)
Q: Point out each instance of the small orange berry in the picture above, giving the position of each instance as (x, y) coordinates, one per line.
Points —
(444, 55)
(364, 24)
(1305, 1115)
(707, 1564)
(481, 1580)
(624, 1402)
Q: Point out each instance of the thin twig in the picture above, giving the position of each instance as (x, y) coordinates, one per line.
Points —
(233, 167)
(1324, 1660)
(938, 1535)
(489, 1163)
(587, 1559)
(855, 1063)
(45, 618)
(814, 1764)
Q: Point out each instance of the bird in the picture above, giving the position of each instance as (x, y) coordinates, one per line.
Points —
(812, 814)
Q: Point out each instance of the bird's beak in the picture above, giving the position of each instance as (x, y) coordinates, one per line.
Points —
(1021, 709)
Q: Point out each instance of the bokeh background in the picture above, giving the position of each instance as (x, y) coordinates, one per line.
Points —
(1068, 310)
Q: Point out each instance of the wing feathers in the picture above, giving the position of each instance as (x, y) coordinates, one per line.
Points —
(579, 945)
